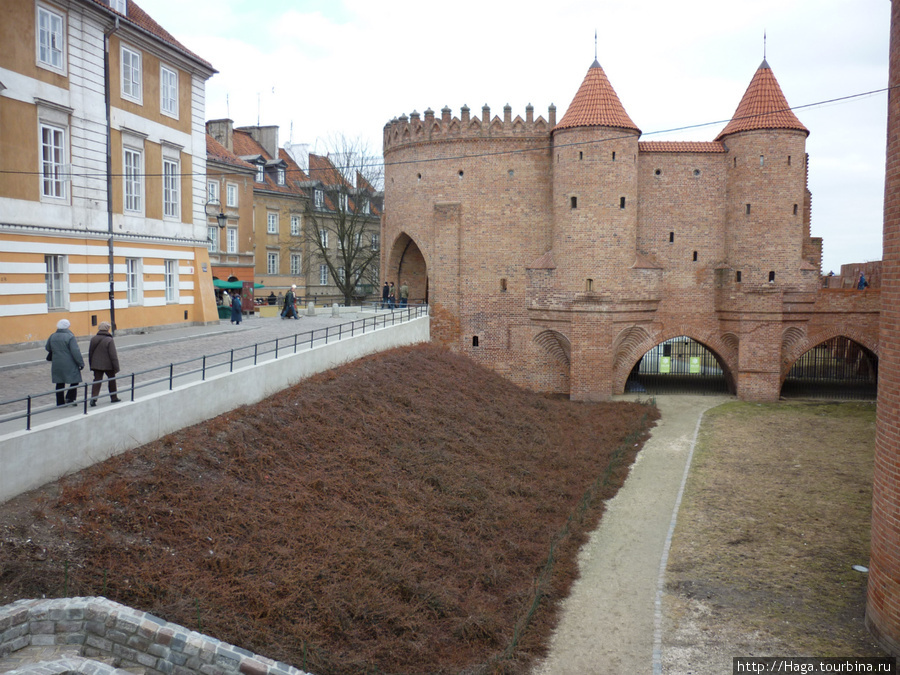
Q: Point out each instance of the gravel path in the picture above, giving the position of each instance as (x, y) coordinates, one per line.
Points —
(610, 623)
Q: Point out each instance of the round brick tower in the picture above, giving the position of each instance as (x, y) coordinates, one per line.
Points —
(766, 213)
(595, 186)
(883, 609)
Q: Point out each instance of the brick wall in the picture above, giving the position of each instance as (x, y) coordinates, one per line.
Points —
(883, 608)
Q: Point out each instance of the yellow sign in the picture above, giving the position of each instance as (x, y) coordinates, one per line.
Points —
(665, 364)
(695, 364)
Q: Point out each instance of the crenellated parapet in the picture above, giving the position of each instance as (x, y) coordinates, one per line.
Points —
(418, 128)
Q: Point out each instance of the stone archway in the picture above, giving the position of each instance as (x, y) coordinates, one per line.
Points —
(406, 262)
(834, 368)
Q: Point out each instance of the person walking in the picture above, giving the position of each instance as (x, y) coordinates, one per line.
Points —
(290, 310)
(66, 363)
(404, 294)
(392, 297)
(236, 313)
(385, 293)
(103, 360)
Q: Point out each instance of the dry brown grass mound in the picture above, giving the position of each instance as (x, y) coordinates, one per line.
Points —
(392, 515)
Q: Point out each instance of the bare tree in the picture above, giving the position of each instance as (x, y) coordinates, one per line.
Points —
(342, 224)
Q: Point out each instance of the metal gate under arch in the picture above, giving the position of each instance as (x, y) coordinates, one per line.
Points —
(678, 366)
(836, 369)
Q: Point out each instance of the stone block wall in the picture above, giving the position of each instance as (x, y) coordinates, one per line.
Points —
(130, 638)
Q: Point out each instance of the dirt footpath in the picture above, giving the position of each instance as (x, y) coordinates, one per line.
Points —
(610, 623)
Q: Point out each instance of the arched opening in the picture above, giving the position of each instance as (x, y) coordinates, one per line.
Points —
(679, 365)
(837, 369)
(407, 264)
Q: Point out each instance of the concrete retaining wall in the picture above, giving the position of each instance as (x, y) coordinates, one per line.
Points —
(30, 459)
(131, 639)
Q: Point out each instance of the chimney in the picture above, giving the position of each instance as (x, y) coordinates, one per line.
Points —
(223, 131)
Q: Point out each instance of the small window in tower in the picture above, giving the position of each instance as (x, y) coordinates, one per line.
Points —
(580, 155)
(695, 256)
(735, 162)
(789, 160)
(747, 211)
(762, 160)
(510, 173)
(420, 176)
(573, 202)
(503, 284)
(696, 173)
(657, 172)
(737, 276)
(621, 202)
(588, 285)
(772, 277)
(460, 173)
(614, 156)
(474, 340)
(796, 209)
(671, 237)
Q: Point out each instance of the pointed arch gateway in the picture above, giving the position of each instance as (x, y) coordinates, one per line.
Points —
(406, 262)
(838, 368)
(680, 365)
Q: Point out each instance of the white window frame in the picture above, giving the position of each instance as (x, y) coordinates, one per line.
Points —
(280, 174)
(133, 180)
(132, 75)
(231, 195)
(50, 42)
(134, 280)
(318, 198)
(168, 91)
(272, 261)
(367, 207)
(260, 173)
(119, 5)
(323, 275)
(323, 238)
(374, 242)
(344, 202)
(56, 276)
(171, 276)
(212, 232)
(296, 224)
(232, 240)
(212, 191)
(296, 264)
(171, 184)
(271, 222)
(53, 161)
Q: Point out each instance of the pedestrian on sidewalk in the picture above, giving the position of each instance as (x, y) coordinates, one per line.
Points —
(103, 360)
(66, 363)
(236, 309)
(289, 311)
(404, 294)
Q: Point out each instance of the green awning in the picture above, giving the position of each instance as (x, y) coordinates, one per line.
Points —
(218, 283)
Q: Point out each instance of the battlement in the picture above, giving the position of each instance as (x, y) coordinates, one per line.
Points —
(405, 130)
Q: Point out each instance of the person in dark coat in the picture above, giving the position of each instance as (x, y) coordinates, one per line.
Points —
(289, 311)
(103, 360)
(236, 313)
(385, 292)
(392, 297)
(66, 363)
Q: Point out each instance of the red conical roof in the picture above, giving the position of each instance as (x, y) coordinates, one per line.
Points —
(762, 107)
(596, 104)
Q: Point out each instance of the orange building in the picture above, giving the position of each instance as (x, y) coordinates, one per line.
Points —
(102, 171)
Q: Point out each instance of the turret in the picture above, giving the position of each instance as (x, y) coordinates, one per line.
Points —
(767, 216)
(594, 165)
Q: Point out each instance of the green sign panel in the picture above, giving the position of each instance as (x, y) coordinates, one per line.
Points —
(695, 364)
(665, 364)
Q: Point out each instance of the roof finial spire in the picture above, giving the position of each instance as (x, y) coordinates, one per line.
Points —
(764, 44)
(595, 44)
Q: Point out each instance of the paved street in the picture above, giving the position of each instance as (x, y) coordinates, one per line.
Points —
(26, 372)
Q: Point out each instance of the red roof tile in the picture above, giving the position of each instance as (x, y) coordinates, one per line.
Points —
(762, 107)
(217, 152)
(681, 146)
(596, 104)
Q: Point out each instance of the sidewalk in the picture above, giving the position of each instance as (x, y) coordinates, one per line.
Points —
(27, 372)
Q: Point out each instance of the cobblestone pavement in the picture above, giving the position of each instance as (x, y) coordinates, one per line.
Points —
(26, 372)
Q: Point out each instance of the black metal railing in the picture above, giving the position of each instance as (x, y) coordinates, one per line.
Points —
(837, 369)
(678, 366)
(213, 364)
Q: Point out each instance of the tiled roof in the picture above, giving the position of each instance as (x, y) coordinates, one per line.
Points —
(762, 107)
(681, 146)
(217, 152)
(245, 146)
(596, 104)
(142, 20)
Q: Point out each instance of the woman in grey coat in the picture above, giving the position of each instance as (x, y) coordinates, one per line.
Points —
(67, 363)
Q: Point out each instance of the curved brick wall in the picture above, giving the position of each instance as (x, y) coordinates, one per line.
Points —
(132, 639)
(883, 610)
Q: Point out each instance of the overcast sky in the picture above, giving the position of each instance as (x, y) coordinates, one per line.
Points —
(321, 68)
